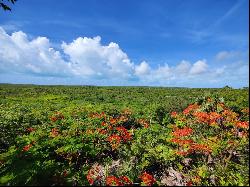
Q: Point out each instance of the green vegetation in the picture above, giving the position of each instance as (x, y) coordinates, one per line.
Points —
(84, 135)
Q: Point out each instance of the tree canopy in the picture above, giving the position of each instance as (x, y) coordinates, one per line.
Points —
(6, 6)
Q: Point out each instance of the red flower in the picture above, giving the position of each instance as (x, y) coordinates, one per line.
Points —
(112, 181)
(201, 147)
(202, 117)
(189, 183)
(124, 180)
(214, 116)
(182, 132)
(104, 123)
(103, 132)
(54, 132)
(113, 121)
(183, 153)
(190, 108)
(96, 115)
(93, 174)
(173, 114)
(114, 140)
(144, 123)
(53, 118)
(242, 124)
(30, 129)
(181, 142)
(121, 128)
(27, 147)
(65, 173)
(124, 133)
(147, 179)
(57, 116)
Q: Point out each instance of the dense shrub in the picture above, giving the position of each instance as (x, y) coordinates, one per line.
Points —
(207, 143)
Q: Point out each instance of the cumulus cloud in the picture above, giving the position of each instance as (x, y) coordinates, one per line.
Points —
(19, 54)
(183, 68)
(199, 67)
(142, 69)
(231, 55)
(88, 60)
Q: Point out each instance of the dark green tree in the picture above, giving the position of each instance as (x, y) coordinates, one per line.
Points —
(6, 6)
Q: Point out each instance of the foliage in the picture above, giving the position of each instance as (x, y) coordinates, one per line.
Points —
(4, 6)
(67, 136)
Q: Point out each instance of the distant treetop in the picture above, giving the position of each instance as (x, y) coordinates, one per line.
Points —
(6, 6)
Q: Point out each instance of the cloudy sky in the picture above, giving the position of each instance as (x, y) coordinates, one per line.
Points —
(187, 43)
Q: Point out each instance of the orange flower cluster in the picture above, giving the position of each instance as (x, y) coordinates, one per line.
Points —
(183, 153)
(54, 132)
(147, 179)
(182, 132)
(200, 147)
(121, 181)
(195, 147)
(99, 116)
(104, 124)
(181, 142)
(27, 147)
(94, 174)
(125, 135)
(114, 140)
(173, 114)
(202, 117)
(209, 118)
(113, 121)
(144, 123)
(190, 108)
(125, 180)
(103, 131)
(242, 124)
(112, 181)
(53, 118)
(229, 116)
(214, 117)
(57, 116)
(123, 118)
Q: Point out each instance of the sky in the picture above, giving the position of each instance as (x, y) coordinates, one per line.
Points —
(170, 43)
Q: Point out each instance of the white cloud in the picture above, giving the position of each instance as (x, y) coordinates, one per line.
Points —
(230, 55)
(142, 69)
(86, 60)
(199, 67)
(223, 55)
(18, 54)
(183, 68)
(90, 58)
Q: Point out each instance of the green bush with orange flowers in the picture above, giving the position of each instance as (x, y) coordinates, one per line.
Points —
(205, 143)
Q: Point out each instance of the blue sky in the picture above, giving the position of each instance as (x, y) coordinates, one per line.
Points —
(191, 43)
